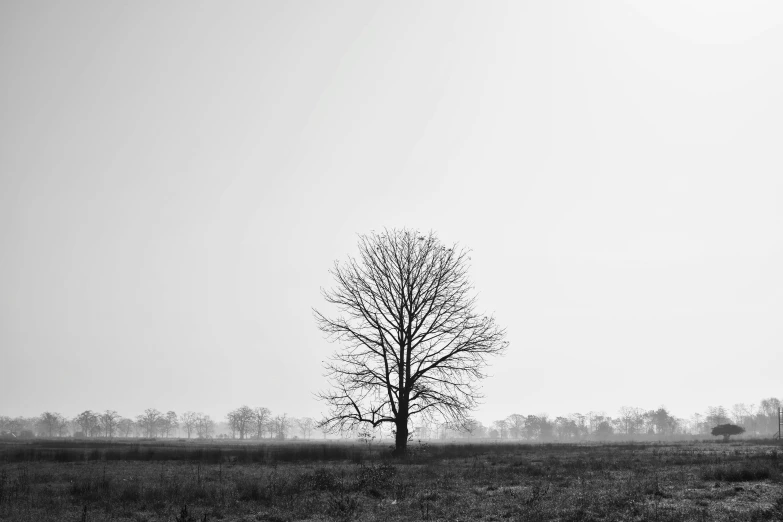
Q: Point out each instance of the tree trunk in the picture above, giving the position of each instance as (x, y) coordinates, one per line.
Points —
(401, 438)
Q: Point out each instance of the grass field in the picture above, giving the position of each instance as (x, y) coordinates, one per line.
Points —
(94, 481)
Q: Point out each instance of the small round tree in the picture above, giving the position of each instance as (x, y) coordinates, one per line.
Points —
(727, 430)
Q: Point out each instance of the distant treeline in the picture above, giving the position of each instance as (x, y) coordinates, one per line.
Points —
(242, 423)
(258, 423)
(630, 422)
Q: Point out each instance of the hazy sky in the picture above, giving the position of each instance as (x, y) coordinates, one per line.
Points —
(176, 178)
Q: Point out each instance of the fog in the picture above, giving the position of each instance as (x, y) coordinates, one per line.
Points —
(176, 180)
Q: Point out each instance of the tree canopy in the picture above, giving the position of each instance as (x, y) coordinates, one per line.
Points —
(727, 430)
(411, 342)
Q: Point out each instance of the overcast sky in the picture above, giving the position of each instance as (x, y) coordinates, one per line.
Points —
(178, 177)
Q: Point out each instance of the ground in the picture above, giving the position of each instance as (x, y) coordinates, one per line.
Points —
(123, 481)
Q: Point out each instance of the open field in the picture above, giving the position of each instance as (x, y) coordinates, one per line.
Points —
(94, 481)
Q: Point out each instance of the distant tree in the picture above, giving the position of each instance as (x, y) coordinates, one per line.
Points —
(538, 427)
(50, 423)
(727, 430)
(698, 425)
(603, 430)
(739, 412)
(580, 422)
(125, 427)
(231, 422)
(88, 422)
(501, 427)
(205, 426)
(412, 342)
(471, 428)
(565, 429)
(306, 425)
(632, 419)
(261, 417)
(188, 421)
(171, 424)
(592, 422)
(282, 424)
(716, 415)
(662, 422)
(150, 422)
(769, 414)
(770, 406)
(516, 425)
(752, 420)
(108, 422)
(240, 421)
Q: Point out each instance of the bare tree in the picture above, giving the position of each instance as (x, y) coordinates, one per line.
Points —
(261, 417)
(240, 420)
(125, 427)
(769, 409)
(172, 423)
(150, 421)
(305, 425)
(281, 425)
(50, 423)
(231, 421)
(516, 425)
(108, 421)
(188, 421)
(205, 426)
(629, 417)
(717, 415)
(501, 427)
(412, 343)
(88, 422)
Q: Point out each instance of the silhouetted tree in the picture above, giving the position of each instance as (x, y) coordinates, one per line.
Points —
(205, 426)
(565, 429)
(125, 427)
(108, 421)
(501, 427)
(150, 422)
(261, 417)
(281, 425)
(662, 422)
(305, 425)
(632, 419)
(169, 424)
(516, 425)
(411, 340)
(51, 423)
(240, 420)
(727, 430)
(88, 422)
(603, 429)
(188, 421)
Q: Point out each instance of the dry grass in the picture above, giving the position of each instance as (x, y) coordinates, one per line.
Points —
(617, 482)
